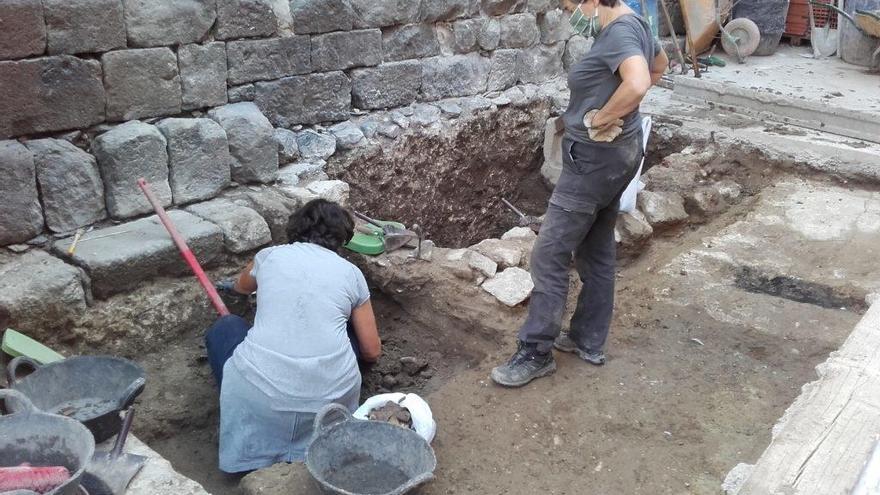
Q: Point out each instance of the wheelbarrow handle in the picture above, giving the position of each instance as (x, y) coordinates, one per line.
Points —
(15, 364)
(841, 12)
(24, 404)
(131, 393)
(123, 433)
(335, 413)
(415, 482)
(368, 219)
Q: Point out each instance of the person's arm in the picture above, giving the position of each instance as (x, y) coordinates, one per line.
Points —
(366, 331)
(246, 283)
(635, 83)
(661, 63)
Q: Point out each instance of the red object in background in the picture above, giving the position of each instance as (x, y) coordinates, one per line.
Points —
(797, 24)
(40, 479)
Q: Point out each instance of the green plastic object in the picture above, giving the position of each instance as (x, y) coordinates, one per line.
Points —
(18, 344)
(370, 244)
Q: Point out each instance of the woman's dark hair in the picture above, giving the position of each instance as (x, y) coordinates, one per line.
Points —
(321, 222)
(609, 3)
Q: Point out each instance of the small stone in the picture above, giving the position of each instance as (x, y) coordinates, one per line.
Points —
(370, 128)
(489, 36)
(243, 228)
(450, 108)
(706, 201)
(288, 150)
(425, 115)
(729, 189)
(505, 253)
(251, 142)
(245, 92)
(390, 130)
(511, 287)
(389, 381)
(413, 365)
(662, 208)
(456, 254)
(332, 190)
(18, 248)
(315, 146)
(348, 135)
(40, 240)
(519, 233)
(400, 119)
(633, 228)
(464, 35)
(477, 103)
(481, 263)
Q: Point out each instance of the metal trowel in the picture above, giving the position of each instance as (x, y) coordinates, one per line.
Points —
(109, 473)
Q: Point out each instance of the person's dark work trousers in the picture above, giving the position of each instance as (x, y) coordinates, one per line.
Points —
(229, 331)
(580, 222)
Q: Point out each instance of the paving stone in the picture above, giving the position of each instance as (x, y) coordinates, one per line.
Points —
(331, 190)
(575, 49)
(481, 263)
(198, 158)
(662, 208)
(541, 63)
(386, 86)
(245, 92)
(50, 94)
(84, 26)
(489, 37)
(519, 31)
(125, 154)
(131, 253)
(540, 6)
(384, 13)
(345, 50)
(322, 16)
(505, 253)
(251, 142)
(150, 23)
(409, 42)
(70, 184)
(447, 10)
(459, 75)
(316, 146)
(202, 75)
(20, 214)
(141, 83)
(243, 228)
(23, 28)
(519, 233)
(503, 7)
(245, 19)
(310, 99)
(425, 115)
(511, 287)
(505, 69)
(633, 228)
(288, 150)
(260, 60)
(39, 294)
(554, 27)
(348, 135)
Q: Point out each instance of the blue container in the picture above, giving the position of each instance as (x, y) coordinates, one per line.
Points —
(653, 18)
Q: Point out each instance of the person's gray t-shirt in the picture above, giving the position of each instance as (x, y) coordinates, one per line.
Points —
(298, 351)
(593, 79)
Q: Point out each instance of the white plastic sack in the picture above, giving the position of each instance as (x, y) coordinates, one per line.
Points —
(423, 420)
(628, 199)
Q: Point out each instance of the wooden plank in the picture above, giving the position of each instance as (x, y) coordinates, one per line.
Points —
(828, 433)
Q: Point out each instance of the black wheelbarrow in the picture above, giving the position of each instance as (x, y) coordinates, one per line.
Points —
(90, 389)
(31, 437)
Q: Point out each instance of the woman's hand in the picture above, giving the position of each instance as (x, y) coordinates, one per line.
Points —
(364, 322)
(602, 133)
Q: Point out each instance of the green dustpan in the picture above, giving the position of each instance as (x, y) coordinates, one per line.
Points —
(17, 344)
(370, 244)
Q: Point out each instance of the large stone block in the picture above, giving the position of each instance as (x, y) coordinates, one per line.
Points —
(198, 158)
(384, 13)
(519, 31)
(243, 228)
(202, 75)
(554, 27)
(39, 294)
(450, 77)
(20, 214)
(310, 99)
(412, 41)
(490, 34)
(447, 10)
(321, 16)
(151, 23)
(272, 205)
(344, 50)
(23, 28)
(121, 257)
(125, 154)
(505, 70)
(70, 184)
(84, 26)
(465, 33)
(251, 142)
(511, 287)
(245, 19)
(50, 94)
(261, 60)
(502, 7)
(390, 85)
(141, 83)
(541, 63)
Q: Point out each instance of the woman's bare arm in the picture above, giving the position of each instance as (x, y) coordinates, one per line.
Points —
(661, 63)
(367, 332)
(636, 80)
(246, 283)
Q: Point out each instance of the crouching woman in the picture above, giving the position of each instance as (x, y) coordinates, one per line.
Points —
(313, 315)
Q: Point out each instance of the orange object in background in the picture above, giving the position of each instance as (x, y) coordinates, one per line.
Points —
(797, 23)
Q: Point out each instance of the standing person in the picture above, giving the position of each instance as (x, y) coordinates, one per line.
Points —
(299, 355)
(601, 152)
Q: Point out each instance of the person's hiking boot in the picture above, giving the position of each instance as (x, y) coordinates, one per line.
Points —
(525, 365)
(565, 343)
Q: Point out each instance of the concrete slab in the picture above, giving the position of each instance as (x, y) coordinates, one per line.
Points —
(791, 88)
(119, 258)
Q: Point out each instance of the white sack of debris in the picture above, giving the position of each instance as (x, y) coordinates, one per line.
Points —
(422, 418)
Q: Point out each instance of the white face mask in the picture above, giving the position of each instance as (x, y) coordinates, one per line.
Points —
(584, 26)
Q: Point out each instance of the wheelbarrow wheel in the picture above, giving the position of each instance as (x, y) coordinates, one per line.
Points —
(746, 34)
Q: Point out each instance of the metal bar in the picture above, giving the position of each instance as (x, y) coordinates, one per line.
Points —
(674, 37)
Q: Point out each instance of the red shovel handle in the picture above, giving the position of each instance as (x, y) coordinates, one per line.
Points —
(187, 254)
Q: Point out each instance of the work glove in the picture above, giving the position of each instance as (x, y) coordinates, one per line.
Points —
(604, 134)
